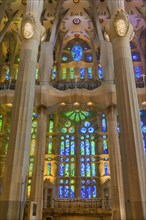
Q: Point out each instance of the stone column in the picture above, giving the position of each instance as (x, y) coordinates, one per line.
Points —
(106, 60)
(38, 171)
(46, 62)
(13, 189)
(118, 203)
(131, 143)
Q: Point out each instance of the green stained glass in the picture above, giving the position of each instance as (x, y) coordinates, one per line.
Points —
(37, 74)
(34, 124)
(50, 147)
(68, 124)
(88, 171)
(51, 126)
(63, 73)
(1, 122)
(92, 147)
(66, 169)
(63, 130)
(71, 73)
(93, 169)
(72, 169)
(82, 148)
(33, 136)
(72, 159)
(77, 115)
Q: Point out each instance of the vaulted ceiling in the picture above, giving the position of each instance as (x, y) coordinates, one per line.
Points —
(76, 21)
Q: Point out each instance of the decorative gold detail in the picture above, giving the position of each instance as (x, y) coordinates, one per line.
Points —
(121, 23)
(28, 26)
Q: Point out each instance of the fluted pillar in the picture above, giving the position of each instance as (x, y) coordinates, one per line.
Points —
(38, 171)
(15, 178)
(46, 62)
(118, 203)
(131, 143)
(106, 60)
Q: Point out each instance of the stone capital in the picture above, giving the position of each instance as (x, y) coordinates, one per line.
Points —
(39, 30)
(121, 15)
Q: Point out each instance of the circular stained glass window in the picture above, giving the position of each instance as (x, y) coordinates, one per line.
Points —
(87, 123)
(63, 130)
(83, 130)
(77, 52)
(91, 130)
(68, 124)
(71, 130)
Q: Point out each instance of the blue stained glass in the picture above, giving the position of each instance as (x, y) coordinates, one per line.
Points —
(91, 130)
(7, 74)
(89, 73)
(72, 148)
(83, 130)
(67, 147)
(100, 72)
(62, 150)
(66, 191)
(106, 169)
(77, 52)
(104, 128)
(83, 192)
(87, 123)
(82, 148)
(89, 57)
(49, 169)
(54, 73)
(61, 169)
(66, 169)
(137, 72)
(61, 191)
(88, 191)
(87, 147)
(82, 73)
(94, 191)
(136, 56)
(105, 149)
(72, 191)
(82, 169)
(144, 129)
(88, 172)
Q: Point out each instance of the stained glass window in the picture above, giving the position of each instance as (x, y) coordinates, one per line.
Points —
(143, 127)
(64, 71)
(71, 73)
(37, 73)
(100, 72)
(77, 52)
(1, 122)
(104, 123)
(51, 124)
(89, 73)
(106, 169)
(137, 70)
(54, 73)
(74, 151)
(49, 169)
(82, 73)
